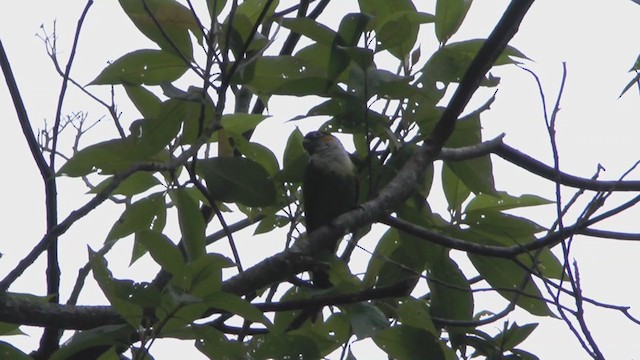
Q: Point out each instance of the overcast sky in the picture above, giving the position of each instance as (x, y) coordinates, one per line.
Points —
(597, 39)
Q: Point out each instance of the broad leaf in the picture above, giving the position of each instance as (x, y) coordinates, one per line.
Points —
(449, 17)
(404, 342)
(133, 185)
(138, 216)
(162, 250)
(512, 282)
(165, 22)
(192, 224)
(238, 179)
(118, 292)
(8, 351)
(148, 67)
(144, 100)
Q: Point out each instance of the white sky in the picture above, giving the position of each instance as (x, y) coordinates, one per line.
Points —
(598, 41)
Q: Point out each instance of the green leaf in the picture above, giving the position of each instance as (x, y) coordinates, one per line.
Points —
(451, 296)
(162, 250)
(165, 22)
(349, 33)
(104, 336)
(449, 16)
(454, 189)
(253, 8)
(406, 342)
(503, 201)
(398, 32)
(450, 62)
(310, 28)
(133, 185)
(259, 153)
(415, 313)
(350, 117)
(238, 306)
(387, 245)
(199, 115)
(109, 156)
(138, 216)
(239, 123)
(271, 222)
(7, 329)
(238, 179)
(215, 7)
(192, 225)
(8, 351)
(503, 225)
(144, 100)
(295, 158)
(283, 75)
(148, 67)
(366, 319)
(215, 345)
(504, 274)
(146, 142)
(515, 335)
(111, 354)
(118, 292)
(284, 346)
(476, 174)
(202, 277)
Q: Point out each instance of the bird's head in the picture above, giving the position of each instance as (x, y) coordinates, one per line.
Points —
(320, 141)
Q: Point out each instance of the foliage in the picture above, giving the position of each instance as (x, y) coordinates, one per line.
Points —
(191, 152)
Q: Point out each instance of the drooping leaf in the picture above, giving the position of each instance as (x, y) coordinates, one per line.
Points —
(100, 336)
(215, 7)
(162, 250)
(202, 277)
(133, 185)
(295, 158)
(451, 296)
(108, 156)
(192, 224)
(366, 320)
(404, 342)
(310, 28)
(284, 346)
(503, 201)
(512, 282)
(7, 329)
(415, 313)
(215, 345)
(165, 22)
(398, 32)
(349, 33)
(118, 292)
(454, 190)
(450, 62)
(144, 100)
(138, 216)
(515, 335)
(239, 123)
(283, 75)
(449, 17)
(236, 305)
(8, 351)
(271, 222)
(238, 179)
(148, 67)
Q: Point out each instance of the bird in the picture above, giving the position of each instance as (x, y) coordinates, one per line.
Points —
(329, 189)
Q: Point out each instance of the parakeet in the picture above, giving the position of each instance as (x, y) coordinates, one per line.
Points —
(329, 188)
